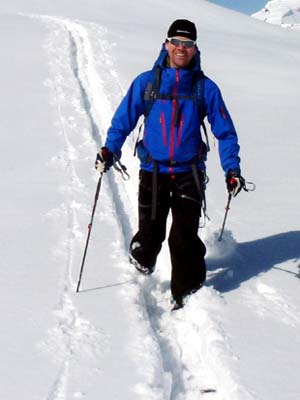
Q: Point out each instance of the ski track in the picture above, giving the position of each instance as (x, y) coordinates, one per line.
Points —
(71, 333)
(189, 334)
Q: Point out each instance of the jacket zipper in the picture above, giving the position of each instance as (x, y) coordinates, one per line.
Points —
(174, 113)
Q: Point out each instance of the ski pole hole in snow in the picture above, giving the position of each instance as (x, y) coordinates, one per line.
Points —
(220, 249)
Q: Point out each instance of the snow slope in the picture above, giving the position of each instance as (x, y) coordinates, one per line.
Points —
(281, 12)
(64, 68)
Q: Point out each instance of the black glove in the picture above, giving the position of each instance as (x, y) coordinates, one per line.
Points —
(104, 160)
(235, 182)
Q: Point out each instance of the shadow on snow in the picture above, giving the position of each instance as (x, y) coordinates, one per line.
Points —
(250, 259)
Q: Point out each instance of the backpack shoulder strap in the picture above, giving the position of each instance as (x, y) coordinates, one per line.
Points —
(152, 89)
(199, 87)
(198, 91)
(150, 95)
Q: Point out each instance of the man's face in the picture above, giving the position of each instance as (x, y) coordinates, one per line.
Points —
(180, 56)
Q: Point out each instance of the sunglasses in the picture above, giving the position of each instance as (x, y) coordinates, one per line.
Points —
(179, 42)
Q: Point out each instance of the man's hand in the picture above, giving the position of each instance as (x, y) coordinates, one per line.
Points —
(235, 183)
(104, 160)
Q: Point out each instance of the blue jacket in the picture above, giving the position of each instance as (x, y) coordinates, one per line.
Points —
(173, 144)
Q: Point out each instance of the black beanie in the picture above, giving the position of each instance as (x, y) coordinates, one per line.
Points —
(183, 27)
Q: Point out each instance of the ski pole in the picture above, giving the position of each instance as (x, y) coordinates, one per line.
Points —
(225, 216)
(89, 230)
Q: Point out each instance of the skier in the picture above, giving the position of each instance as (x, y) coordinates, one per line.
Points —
(173, 154)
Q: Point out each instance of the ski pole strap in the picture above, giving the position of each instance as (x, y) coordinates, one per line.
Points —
(118, 166)
(250, 188)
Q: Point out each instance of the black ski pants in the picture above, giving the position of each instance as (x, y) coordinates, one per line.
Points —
(179, 194)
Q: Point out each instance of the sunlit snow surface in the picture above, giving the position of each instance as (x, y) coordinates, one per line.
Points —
(64, 68)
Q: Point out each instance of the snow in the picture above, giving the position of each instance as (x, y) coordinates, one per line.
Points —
(281, 12)
(64, 68)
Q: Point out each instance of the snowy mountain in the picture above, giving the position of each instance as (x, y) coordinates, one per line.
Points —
(65, 66)
(281, 12)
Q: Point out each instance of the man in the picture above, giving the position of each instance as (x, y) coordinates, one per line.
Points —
(172, 154)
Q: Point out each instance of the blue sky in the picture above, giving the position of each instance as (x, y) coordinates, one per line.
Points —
(244, 6)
